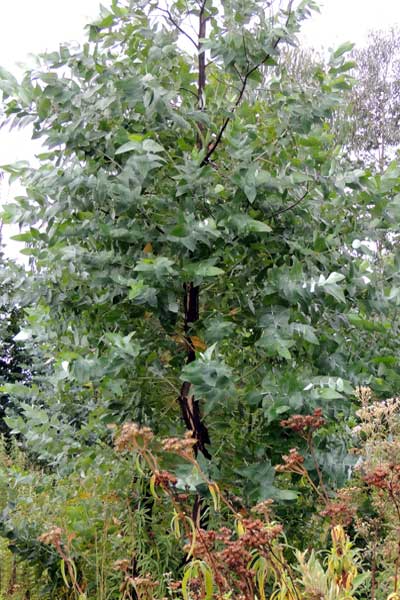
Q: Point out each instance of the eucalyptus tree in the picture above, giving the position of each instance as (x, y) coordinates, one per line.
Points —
(374, 109)
(196, 246)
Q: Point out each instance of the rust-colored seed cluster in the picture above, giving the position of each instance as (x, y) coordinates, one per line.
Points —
(385, 478)
(292, 462)
(232, 554)
(164, 479)
(305, 423)
(339, 513)
(377, 478)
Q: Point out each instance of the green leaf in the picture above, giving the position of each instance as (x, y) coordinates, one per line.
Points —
(367, 324)
(245, 224)
(335, 291)
(128, 147)
(208, 581)
(342, 49)
(334, 278)
(152, 146)
(203, 269)
(275, 345)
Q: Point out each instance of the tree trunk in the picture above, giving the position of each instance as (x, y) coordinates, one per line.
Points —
(190, 407)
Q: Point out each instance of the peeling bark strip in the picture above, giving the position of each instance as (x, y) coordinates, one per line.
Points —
(189, 406)
(191, 415)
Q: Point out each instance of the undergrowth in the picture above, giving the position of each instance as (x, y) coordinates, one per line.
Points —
(129, 529)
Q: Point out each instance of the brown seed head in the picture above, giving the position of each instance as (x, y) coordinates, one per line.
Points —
(51, 537)
(133, 437)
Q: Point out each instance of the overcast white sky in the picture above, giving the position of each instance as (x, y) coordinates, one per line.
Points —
(32, 26)
(350, 20)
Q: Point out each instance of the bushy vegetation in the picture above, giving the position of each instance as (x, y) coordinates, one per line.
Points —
(201, 397)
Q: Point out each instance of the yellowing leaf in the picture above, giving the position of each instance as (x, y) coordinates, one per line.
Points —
(240, 528)
(148, 249)
(197, 343)
(193, 544)
(175, 526)
(152, 487)
(84, 495)
(216, 496)
(179, 339)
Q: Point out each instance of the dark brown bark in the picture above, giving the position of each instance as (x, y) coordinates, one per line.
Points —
(190, 407)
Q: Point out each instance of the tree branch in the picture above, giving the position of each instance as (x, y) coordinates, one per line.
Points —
(241, 93)
(202, 61)
(287, 208)
(188, 91)
(179, 28)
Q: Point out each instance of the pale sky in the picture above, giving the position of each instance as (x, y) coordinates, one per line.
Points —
(32, 26)
(349, 20)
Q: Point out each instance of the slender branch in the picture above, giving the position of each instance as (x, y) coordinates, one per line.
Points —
(287, 208)
(238, 74)
(286, 566)
(179, 28)
(228, 85)
(188, 14)
(245, 50)
(241, 94)
(148, 223)
(188, 91)
(227, 121)
(373, 571)
(202, 61)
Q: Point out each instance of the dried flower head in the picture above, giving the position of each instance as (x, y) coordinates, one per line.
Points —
(339, 513)
(122, 565)
(379, 419)
(264, 508)
(51, 537)
(133, 437)
(143, 586)
(232, 552)
(305, 424)
(164, 479)
(292, 463)
(385, 477)
(175, 585)
(379, 478)
(145, 582)
(182, 446)
(364, 394)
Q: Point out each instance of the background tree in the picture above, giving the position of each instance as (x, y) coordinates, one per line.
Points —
(374, 110)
